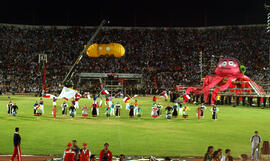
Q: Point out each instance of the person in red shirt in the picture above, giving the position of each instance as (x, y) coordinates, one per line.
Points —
(54, 111)
(69, 153)
(105, 154)
(17, 145)
(85, 153)
(155, 99)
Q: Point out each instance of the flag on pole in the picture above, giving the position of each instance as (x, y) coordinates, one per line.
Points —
(105, 92)
(78, 95)
(48, 96)
(126, 99)
(87, 95)
(100, 102)
(186, 97)
(119, 94)
(164, 93)
(67, 93)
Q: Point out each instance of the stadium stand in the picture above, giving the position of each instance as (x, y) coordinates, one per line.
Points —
(165, 56)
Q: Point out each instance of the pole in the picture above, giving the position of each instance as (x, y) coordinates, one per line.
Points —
(44, 76)
(71, 71)
(201, 65)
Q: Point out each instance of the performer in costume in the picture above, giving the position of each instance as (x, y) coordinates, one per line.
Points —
(73, 102)
(38, 110)
(54, 101)
(72, 111)
(95, 99)
(64, 106)
(127, 105)
(112, 106)
(108, 111)
(139, 112)
(110, 98)
(175, 112)
(185, 112)
(94, 109)
(169, 110)
(180, 109)
(35, 106)
(118, 106)
(107, 101)
(154, 112)
(84, 111)
(9, 105)
(214, 111)
(99, 106)
(54, 111)
(14, 109)
(203, 108)
(199, 112)
(131, 111)
(136, 106)
(87, 95)
(41, 103)
(69, 153)
(85, 153)
(77, 102)
(159, 107)
(154, 99)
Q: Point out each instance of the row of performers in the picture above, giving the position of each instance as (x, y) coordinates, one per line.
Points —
(134, 110)
(178, 109)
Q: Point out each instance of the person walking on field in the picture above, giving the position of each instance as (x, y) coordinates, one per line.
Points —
(17, 145)
(255, 145)
(105, 154)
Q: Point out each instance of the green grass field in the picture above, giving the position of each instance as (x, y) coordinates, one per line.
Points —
(132, 137)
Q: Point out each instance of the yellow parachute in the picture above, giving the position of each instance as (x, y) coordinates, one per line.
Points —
(112, 49)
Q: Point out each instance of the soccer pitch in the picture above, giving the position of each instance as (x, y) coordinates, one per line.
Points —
(132, 137)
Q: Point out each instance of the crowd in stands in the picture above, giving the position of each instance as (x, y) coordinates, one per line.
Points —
(165, 56)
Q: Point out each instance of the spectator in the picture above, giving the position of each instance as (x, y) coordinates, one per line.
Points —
(227, 156)
(215, 156)
(76, 149)
(93, 158)
(147, 52)
(69, 153)
(243, 157)
(221, 157)
(122, 157)
(105, 154)
(84, 153)
(208, 155)
(167, 159)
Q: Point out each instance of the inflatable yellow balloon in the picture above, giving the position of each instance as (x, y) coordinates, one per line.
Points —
(112, 49)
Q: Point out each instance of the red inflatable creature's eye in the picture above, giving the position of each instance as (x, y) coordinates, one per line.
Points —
(231, 63)
(224, 63)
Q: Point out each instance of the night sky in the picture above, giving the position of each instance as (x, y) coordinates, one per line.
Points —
(135, 13)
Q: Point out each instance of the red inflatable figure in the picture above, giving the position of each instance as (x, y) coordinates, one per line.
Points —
(228, 75)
